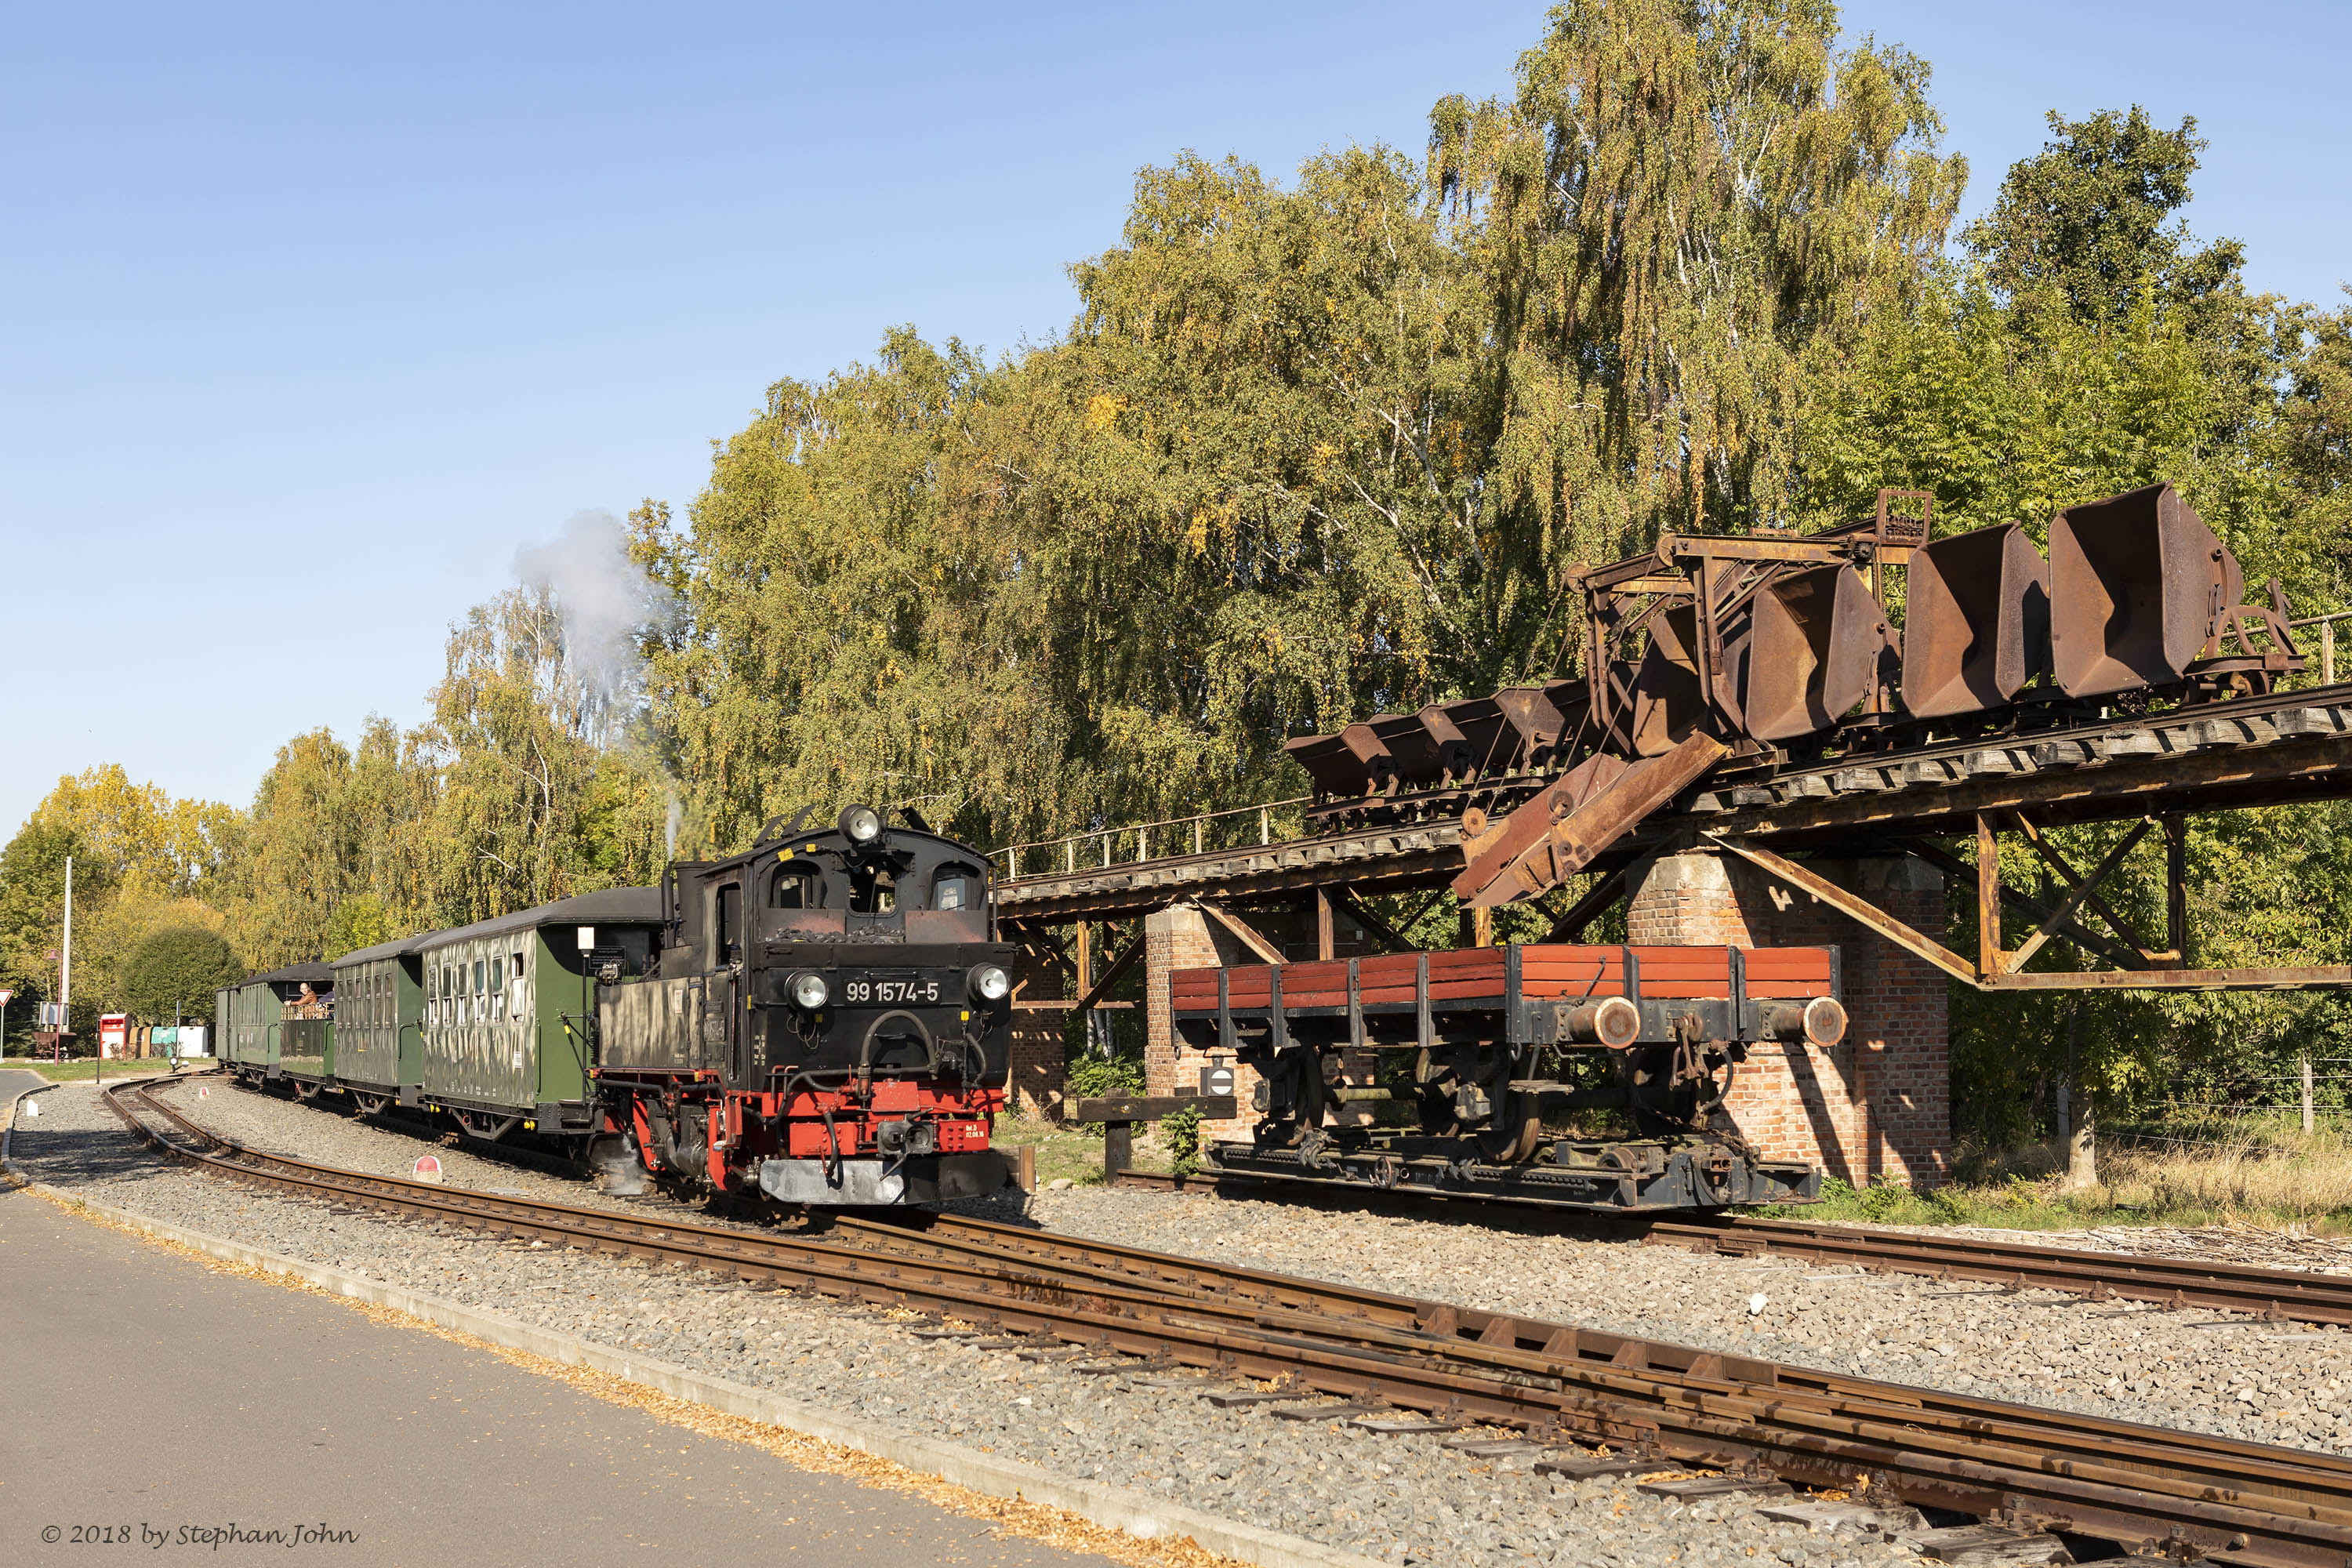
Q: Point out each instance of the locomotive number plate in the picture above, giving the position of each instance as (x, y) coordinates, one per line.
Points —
(891, 989)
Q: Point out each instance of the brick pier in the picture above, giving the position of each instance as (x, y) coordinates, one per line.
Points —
(1877, 1104)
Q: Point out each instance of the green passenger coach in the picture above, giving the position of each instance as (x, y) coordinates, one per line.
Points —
(279, 1023)
(508, 1004)
(379, 1023)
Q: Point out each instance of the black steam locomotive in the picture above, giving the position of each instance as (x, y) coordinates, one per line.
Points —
(826, 1020)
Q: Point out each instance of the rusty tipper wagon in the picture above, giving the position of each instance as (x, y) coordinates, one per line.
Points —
(1504, 1043)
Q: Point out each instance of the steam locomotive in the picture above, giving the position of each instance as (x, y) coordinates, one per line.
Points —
(824, 1019)
(828, 1021)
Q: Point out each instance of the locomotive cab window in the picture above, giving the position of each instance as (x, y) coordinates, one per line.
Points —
(796, 887)
(955, 887)
(872, 891)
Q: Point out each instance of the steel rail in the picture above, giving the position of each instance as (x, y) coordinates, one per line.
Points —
(2140, 1487)
(1469, 1327)
(2273, 1295)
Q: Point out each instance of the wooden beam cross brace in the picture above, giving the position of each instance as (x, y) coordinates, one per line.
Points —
(1113, 974)
(1859, 911)
(2082, 890)
(2325, 977)
(2048, 852)
(1347, 898)
(1267, 951)
(1989, 930)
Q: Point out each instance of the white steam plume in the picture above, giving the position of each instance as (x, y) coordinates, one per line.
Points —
(605, 599)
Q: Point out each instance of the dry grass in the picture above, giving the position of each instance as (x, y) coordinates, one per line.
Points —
(2266, 1177)
(2295, 1178)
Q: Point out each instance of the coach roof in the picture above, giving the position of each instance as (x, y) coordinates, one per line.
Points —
(311, 974)
(609, 906)
(404, 948)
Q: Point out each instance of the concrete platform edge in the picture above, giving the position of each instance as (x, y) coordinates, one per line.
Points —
(1115, 1508)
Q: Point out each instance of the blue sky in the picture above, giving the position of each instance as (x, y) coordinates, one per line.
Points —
(315, 315)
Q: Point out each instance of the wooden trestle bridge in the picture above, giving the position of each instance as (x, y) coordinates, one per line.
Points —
(1751, 696)
(1947, 802)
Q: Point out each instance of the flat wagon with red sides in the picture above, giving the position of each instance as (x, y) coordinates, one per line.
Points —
(1587, 1077)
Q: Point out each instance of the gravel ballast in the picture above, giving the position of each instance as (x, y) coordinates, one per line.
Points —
(2201, 1371)
(1402, 1498)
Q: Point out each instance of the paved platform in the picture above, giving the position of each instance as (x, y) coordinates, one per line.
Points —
(141, 1391)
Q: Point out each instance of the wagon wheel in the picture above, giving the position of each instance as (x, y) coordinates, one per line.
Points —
(1516, 1126)
(1299, 1069)
(371, 1104)
(1311, 1097)
(1432, 1106)
(305, 1090)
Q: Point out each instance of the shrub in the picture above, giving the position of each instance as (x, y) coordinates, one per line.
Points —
(1182, 1132)
(173, 972)
(1091, 1078)
(1885, 1199)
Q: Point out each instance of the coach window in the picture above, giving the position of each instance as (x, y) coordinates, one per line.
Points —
(497, 991)
(796, 887)
(955, 887)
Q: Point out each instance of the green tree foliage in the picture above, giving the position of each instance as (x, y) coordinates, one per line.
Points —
(1680, 199)
(32, 913)
(2088, 222)
(520, 779)
(360, 920)
(172, 974)
(2083, 346)
(1257, 470)
(856, 620)
(301, 846)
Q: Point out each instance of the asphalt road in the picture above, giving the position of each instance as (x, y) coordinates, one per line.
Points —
(142, 1392)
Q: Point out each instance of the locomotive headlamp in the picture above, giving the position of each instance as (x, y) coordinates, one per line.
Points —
(861, 824)
(809, 990)
(990, 982)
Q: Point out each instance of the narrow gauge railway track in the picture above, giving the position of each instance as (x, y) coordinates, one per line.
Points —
(2141, 1488)
(2277, 1295)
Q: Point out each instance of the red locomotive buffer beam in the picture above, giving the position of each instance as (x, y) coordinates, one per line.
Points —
(1495, 1051)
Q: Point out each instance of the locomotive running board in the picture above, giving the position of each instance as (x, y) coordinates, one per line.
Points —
(1679, 1174)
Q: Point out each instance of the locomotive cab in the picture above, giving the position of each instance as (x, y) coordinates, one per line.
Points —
(826, 1020)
